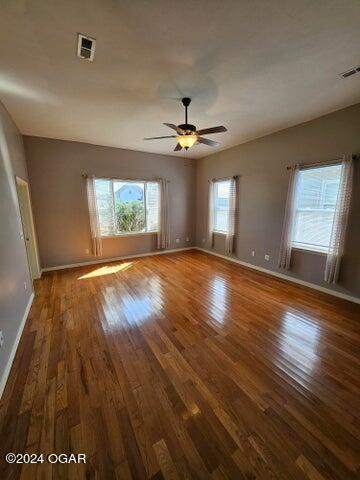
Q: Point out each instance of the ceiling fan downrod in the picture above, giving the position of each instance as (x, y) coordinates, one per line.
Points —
(186, 102)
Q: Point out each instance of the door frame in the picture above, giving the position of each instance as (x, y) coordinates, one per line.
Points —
(34, 266)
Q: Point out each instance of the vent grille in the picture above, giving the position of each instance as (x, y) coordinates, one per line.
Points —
(86, 47)
(350, 72)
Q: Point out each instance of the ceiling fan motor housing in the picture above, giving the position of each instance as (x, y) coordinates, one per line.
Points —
(187, 127)
(186, 101)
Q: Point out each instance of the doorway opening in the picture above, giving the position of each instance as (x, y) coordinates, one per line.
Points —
(27, 221)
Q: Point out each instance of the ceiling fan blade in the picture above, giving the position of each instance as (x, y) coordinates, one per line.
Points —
(176, 128)
(206, 141)
(157, 138)
(178, 147)
(205, 131)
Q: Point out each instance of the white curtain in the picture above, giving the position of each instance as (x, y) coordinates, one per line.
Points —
(210, 216)
(232, 214)
(163, 237)
(285, 246)
(337, 238)
(94, 217)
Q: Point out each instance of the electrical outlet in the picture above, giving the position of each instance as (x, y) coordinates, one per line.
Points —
(187, 239)
(2, 339)
(267, 257)
(177, 240)
(87, 251)
(25, 286)
(203, 240)
(253, 253)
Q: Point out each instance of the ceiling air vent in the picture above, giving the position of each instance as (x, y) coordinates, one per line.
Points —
(350, 72)
(86, 47)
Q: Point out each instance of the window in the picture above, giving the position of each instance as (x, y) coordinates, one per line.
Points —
(221, 205)
(127, 206)
(315, 202)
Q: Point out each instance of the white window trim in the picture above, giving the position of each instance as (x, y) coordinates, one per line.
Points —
(128, 234)
(309, 249)
(314, 248)
(219, 232)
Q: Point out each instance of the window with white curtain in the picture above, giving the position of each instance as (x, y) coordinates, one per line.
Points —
(315, 201)
(221, 205)
(127, 207)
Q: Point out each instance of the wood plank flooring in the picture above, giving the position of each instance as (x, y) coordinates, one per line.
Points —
(184, 366)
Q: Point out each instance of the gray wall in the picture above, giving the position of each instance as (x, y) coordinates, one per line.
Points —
(60, 204)
(263, 186)
(13, 263)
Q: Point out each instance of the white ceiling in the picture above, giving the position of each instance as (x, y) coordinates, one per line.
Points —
(255, 66)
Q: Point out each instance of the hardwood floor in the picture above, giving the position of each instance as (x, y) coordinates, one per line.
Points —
(184, 366)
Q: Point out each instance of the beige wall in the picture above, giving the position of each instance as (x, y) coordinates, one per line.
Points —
(263, 185)
(60, 205)
(13, 263)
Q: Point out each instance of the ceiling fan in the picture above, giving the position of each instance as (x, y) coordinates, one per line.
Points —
(187, 135)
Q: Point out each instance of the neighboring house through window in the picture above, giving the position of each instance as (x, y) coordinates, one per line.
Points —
(127, 192)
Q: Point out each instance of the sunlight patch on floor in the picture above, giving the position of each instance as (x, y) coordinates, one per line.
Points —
(107, 270)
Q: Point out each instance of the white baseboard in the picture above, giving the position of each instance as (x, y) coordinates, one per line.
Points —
(115, 259)
(282, 276)
(15, 346)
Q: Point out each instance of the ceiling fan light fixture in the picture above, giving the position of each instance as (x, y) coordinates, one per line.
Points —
(188, 135)
(187, 141)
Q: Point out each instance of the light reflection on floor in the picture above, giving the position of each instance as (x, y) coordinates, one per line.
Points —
(132, 308)
(141, 307)
(300, 339)
(219, 298)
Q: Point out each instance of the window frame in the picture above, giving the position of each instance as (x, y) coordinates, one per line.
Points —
(312, 249)
(303, 247)
(215, 230)
(129, 234)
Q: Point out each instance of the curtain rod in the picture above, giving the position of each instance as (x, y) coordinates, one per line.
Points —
(325, 162)
(223, 178)
(86, 175)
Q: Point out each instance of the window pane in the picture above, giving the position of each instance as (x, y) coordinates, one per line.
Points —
(330, 194)
(129, 206)
(315, 202)
(221, 205)
(104, 201)
(152, 206)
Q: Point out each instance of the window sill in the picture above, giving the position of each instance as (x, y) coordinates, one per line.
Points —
(130, 234)
(219, 232)
(309, 250)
